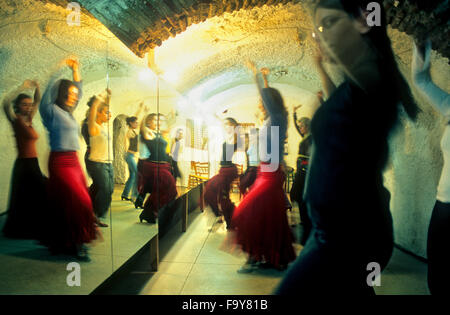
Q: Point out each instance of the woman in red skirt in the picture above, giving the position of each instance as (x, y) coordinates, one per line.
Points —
(217, 190)
(260, 220)
(71, 220)
(156, 170)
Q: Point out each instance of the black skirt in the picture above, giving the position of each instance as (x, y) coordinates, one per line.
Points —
(27, 200)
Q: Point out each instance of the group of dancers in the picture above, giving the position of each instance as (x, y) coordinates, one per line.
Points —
(71, 212)
(338, 185)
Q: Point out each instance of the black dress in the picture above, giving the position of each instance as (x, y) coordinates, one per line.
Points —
(347, 202)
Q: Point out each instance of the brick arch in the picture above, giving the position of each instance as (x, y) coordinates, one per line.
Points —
(176, 18)
(414, 17)
(143, 24)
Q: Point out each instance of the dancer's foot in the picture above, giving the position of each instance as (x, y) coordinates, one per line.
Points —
(138, 203)
(149, 219)
(100, 223)
(250, 266)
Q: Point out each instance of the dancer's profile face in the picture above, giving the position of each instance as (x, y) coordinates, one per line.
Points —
(340, 37)
(104, 115)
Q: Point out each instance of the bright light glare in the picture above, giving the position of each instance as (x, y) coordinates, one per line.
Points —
(145, 75)
(170, 76)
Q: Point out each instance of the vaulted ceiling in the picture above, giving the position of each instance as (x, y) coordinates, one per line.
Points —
(145, 24)
(200, 46)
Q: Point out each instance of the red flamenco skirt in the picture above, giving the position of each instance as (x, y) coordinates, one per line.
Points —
(260, 221)
(71, 219)
(159, 181)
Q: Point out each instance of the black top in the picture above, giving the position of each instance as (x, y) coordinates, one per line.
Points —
(133, 143)
(304, 147)
(85, 132)
(157, 148)
(277, 119)
(226, 158)
(350, 149)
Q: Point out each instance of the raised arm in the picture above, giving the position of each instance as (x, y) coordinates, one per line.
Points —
(255, 72)
(7, 102)
(51, 91)
(422, 79)
(37, 98)
(295, 119)
(92, 126)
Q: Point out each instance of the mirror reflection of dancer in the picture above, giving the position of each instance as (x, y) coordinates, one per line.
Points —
(439, 228)
(303, 127)
(156, 170)
(132, 145)
(347, 202)
(248, 178)
(217, 189)
(27, 197)
(175, 151)
(260, 220)
(71, 221)
(99, 166)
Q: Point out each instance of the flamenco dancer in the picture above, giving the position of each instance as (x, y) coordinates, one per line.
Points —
(132, 145)
(303, 126)
(71, 220)
(260, 220)
(99, 164)
(157, 178)
(27, 196)
(350, 133)
(217, 190)
(248, 178)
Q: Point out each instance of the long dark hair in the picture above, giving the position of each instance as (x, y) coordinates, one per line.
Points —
(131, 120)
(392, 80)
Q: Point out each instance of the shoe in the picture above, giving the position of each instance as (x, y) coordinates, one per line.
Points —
(152, 218)
(82, 254)
(100, 223)
(139, 202)
(247, 268)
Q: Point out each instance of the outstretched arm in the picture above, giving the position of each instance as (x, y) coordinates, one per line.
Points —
(295, 119)
(422, 79)
(37, 98)
(7, 102)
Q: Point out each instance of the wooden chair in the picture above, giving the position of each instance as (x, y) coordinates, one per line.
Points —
(199, 173)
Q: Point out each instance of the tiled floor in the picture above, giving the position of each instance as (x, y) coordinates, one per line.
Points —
(196, 265)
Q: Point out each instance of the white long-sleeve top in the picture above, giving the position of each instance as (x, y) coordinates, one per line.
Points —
(441, 102)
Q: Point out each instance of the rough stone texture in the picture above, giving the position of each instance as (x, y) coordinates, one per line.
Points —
(120, 128)
(144, 25)
(205, 64)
